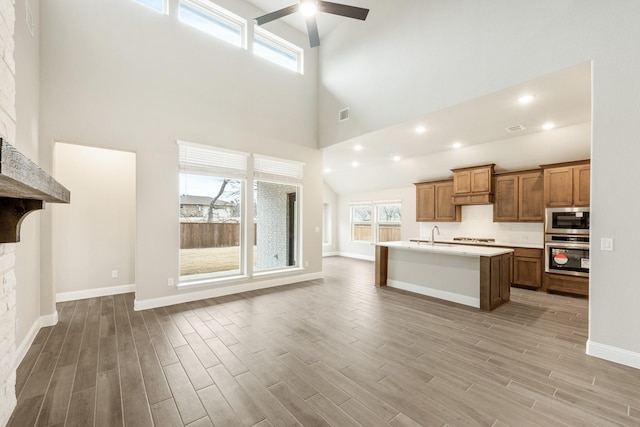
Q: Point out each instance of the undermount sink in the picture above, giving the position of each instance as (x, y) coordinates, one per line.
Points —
(428, 243)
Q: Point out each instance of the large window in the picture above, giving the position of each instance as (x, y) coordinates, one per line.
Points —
(214, 20)
(388, 221)
(376, 221)
(277, 186)
(277, 50)
(157, 5)
(212, 196)
(361, 223)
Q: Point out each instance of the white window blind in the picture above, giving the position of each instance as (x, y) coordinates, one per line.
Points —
(199, 159)
(276, 170)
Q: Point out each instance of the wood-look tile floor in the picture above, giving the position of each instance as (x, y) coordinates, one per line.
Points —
(335, 351)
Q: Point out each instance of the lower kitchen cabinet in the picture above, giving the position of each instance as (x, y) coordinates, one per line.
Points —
(566, 284)
(527, 267)
(495, 274)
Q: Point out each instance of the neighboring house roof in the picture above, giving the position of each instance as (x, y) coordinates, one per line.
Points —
(186, 199)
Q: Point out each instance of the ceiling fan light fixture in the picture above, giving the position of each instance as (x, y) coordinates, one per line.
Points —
(308, 8)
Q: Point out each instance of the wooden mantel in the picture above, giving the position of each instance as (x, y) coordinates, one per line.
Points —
(24, 187)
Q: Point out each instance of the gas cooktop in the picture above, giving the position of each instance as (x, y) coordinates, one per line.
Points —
(473, 240)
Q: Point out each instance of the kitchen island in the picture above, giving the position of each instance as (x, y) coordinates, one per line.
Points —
(476, 276)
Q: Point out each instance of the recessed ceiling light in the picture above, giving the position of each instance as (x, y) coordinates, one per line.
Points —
(358, 147)
(525, 99)
(308, 8)
(420, 130)
(355, 164)
(397, 157)
(327, 170)
(548, 126)
(456, 145)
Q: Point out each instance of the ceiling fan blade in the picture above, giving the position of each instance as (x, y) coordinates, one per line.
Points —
(343, 10)
(276, 15)
(312, 29)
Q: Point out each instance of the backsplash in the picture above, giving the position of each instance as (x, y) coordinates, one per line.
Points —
(477, 221)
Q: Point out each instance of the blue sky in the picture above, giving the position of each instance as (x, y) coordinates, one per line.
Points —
(199, 185)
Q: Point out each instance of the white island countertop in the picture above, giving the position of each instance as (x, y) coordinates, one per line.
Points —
(447, 248)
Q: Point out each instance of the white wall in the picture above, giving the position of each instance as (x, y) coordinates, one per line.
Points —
(94, 234)
(455, 51)
(118, 75)
(330, 220)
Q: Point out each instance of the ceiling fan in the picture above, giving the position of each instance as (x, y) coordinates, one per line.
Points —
(309, 9)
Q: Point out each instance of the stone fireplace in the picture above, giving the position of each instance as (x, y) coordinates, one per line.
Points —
(24, 187)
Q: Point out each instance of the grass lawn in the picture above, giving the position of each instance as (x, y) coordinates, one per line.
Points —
(209, 260)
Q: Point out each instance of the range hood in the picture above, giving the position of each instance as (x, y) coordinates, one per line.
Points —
(24, 187)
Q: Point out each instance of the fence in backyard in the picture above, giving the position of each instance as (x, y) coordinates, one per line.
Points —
(386, 233)
(209, 235)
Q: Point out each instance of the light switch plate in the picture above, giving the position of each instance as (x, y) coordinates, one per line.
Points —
(606, 244)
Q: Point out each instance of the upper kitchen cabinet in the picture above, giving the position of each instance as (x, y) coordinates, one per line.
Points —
(473, 185)
(433, 202)
(519, 197)
(567, 184)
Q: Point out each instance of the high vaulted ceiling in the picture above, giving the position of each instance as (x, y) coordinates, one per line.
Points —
(563, 98)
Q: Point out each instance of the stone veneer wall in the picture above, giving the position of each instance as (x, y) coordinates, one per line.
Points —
(7, 332)
(7, 254)
(272, 221)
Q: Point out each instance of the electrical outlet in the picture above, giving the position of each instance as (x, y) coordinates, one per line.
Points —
(606, 244)
(114, 274)
(306, 263)
(170, 282)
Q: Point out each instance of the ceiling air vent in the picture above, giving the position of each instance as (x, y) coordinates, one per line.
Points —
(516, 128)
(343, 114)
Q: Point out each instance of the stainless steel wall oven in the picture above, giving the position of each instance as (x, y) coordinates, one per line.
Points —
(567, 254)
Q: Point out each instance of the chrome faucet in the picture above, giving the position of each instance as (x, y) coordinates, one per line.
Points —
(433, 239)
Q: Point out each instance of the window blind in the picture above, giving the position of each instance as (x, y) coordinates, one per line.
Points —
(276, 170)
(200, 159)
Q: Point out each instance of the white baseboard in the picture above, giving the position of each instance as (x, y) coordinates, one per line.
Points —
(357, 256)
(435, 293)
(41, 322)
(325, 254)
(222, 291)
(613, 354)
(93, 293)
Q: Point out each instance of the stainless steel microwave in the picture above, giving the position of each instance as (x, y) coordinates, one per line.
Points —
(567, 220)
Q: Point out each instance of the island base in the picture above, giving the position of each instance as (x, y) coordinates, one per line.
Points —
(483, 282)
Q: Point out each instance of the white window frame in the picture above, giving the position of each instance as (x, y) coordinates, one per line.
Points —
(222, 163)
(219, 14)
(352, 224)
(278, 44)
(289, 172)
(376, 219)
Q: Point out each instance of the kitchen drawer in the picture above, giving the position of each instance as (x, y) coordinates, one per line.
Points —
(527, 252)
(566, 284)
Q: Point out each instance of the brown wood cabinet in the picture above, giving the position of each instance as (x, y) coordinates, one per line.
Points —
(433, 202)
(566, 284)
(519, 197)
(495, 281)
(473, 185)
(567, 184)
(527, 267)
